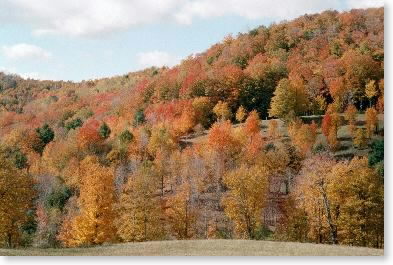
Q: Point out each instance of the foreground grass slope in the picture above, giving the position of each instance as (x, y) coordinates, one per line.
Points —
(204, 248)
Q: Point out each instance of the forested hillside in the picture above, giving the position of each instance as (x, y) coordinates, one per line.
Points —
(110, 160)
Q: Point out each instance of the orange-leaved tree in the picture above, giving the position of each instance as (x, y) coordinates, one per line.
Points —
(350, 116)
(371, 121)
(303, 136)
(16, 197)
(252, 124)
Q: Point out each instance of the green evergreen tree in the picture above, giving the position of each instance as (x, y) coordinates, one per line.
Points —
(104, 131)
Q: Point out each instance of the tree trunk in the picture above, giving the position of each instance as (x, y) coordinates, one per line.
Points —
(332, 227)
(162, 185)
(9, 240)
(145, 227)
(186, 227)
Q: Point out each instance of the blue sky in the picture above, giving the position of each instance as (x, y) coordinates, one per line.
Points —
(76, 40)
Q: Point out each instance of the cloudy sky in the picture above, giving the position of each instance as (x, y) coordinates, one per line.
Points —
(86, 39)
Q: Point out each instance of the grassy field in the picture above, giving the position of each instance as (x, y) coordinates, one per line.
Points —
(203, 248)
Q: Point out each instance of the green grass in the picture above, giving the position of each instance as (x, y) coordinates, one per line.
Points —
(203, 248)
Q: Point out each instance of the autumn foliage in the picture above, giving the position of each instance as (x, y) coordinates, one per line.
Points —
(243, 140)
(94, 224)
(245, 200)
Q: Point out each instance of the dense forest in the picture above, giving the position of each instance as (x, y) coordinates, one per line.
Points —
(243, 140)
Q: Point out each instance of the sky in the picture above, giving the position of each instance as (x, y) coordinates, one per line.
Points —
(88, 39)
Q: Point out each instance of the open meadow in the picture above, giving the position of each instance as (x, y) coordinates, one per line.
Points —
(203, 248)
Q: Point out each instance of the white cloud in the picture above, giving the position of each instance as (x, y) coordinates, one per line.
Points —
(25, 51)
(89, 17)
(97, 17)
(157, 58)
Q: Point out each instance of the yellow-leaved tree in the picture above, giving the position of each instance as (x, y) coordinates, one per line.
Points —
(371, 91)
(313, 186)
(241, 114)
(94, 223)
(289, 99)
(222, 111)
(181, 213)
(371, 121)
(248, 187)
(16, 195)
(360, 140)
(337, 202)
(161, 144)
(140, 211)
(358, 191)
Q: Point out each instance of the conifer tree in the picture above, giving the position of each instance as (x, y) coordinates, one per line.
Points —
(105, 131)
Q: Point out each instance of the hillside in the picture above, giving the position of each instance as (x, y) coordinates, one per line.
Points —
(327, 56)
(343, 135)
(277, 133)
(204, 248)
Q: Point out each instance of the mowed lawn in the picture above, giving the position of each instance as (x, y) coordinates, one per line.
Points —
(203, 248)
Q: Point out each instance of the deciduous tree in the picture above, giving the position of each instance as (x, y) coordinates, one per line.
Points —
(222, 111)
(350, 116)
(371, 121)
(360, 140)
(241, 114)
(303, 136)
(246, 198)
(371, 90)
(273, 131)
(313, 186)
(140, 210)
(204, 110)
(282, 104)
(94, 224)
(16, 198)
(358, 192)
(253, 123)
(181, 214)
